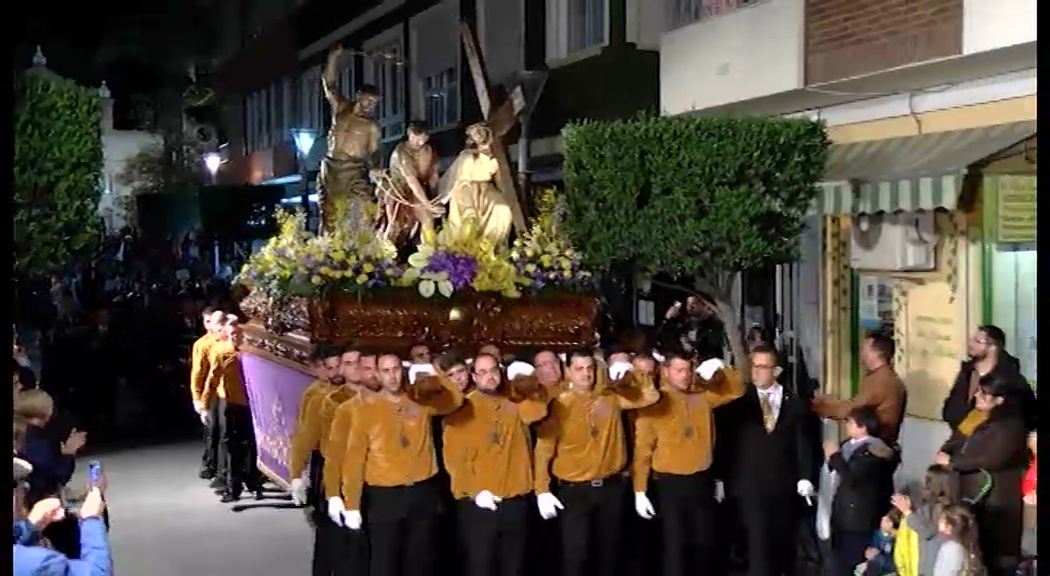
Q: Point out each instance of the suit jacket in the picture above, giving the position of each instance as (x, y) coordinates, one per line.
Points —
(753, 462)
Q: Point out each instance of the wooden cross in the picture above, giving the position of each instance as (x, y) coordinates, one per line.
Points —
(500, 119)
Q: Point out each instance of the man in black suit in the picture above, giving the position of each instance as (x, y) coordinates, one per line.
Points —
(766, 465)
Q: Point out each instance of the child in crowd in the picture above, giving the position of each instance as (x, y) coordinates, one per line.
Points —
(939, 491)
(879, 556)
(1028, 491)
(959, 554)
(864, 465)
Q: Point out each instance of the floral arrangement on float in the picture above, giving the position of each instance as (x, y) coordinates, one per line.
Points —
(544, 255)
(298, 263)
(358, 261)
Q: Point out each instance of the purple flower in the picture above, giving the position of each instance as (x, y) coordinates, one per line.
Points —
(460, 268)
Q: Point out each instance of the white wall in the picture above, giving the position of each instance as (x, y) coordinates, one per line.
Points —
(754, 51)
(501, 35)
(117, 147)
(920, 441)
(645, 23)
(991, 24)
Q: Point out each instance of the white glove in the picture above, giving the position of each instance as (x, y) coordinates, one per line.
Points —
(405, 364)
(199, 407)
(352, 519)
(643, 506)
(336, 509)
(299, 491)
(805, 489)
(618, 369)
(563, 357)
(707, 368)
(487, 500)
(548, 505)
(658, 356)
(519, 369)
(720, 491)
(205, 417)
(417, 370)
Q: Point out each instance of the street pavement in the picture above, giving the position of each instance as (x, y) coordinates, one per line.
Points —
(165, 521)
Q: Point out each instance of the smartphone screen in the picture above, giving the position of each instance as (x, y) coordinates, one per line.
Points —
(94, 471)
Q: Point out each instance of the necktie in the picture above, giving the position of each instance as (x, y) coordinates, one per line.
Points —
(768, 419)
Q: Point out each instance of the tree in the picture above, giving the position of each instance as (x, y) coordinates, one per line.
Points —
(146, 172)
(57, 173)
(698, 198)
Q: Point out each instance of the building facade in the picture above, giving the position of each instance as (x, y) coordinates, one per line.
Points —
(931, 108)
(600, 59)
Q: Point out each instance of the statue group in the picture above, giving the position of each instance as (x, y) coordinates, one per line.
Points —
(409, 192)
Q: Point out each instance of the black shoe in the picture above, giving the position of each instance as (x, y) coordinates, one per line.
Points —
(207, 474)
(227, 497)
(217, 483)
(259, 495)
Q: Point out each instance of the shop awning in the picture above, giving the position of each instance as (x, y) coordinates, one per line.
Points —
(923, 172)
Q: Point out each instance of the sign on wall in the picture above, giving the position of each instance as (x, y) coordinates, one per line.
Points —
(934, 342)
(1015, 209)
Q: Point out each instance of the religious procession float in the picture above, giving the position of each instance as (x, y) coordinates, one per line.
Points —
(404, 256)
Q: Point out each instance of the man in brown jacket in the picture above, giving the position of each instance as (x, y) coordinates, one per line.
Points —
(880, 389)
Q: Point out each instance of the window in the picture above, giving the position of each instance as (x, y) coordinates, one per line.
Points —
(387, 75)
(586, 22)
(441, 98)
(277, 130)
(684, 12)
(309, 97)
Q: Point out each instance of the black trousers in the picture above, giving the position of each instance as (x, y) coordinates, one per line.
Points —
(211, 463)
(338, 551)
(401, 523)
(495, 541)
(686, 507)
(238, 448)
(591, 526)
(770, 524)
(848, 550)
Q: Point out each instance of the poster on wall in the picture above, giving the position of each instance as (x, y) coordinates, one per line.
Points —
(1016, 209)
(875, 302)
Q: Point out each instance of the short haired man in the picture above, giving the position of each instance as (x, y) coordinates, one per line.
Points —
(390, 454)
(986, 353)
(211, 318)
(880, 389)
(581, 447)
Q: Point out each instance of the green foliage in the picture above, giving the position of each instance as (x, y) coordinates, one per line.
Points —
(146, 172)
(57, 173)
(691, 196)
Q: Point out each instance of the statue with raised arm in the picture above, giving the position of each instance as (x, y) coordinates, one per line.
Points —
(471, 188)
(405, 194)
(344, 186)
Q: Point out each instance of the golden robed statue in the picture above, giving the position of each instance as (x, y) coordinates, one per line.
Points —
(470, 187)
(344, 185)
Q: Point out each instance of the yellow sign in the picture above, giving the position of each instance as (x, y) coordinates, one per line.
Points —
(934, 342)
(1016, 209)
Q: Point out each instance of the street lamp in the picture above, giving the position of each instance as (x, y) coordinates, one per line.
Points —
(212, 161)
(304, 141)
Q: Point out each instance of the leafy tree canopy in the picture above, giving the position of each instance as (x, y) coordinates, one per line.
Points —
(703, 198)
(57, 173)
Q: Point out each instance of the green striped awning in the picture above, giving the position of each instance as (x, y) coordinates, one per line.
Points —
(913, 173)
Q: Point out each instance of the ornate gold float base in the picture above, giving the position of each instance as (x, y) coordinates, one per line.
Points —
(395, 319)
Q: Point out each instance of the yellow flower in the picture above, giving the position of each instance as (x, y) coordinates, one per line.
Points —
(530, 268)
(316, 280)
(545, 260)
(338, 254)
(362, 278)
(566, 274)
(368, 267)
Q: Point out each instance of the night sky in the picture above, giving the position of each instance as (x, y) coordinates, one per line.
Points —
(121, 41)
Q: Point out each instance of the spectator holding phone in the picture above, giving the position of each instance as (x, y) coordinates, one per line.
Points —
(30, 558)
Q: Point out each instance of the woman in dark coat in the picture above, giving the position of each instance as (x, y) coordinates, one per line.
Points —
(989, 451)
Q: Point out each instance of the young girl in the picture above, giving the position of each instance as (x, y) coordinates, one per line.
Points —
(959, 555)
(940, 491)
